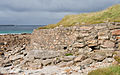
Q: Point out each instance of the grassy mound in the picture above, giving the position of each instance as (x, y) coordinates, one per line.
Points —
(111, 14)
(114, 70)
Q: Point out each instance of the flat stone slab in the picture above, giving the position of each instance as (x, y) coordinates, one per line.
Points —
(43, 54)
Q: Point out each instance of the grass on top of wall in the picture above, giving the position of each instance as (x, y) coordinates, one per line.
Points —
(111, 14)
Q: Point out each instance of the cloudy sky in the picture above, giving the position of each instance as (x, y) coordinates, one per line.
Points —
(47, 11)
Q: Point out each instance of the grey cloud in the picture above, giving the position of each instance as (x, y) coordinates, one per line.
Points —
(57, 5)
(46, 11)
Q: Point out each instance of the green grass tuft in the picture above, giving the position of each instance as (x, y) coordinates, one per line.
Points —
(111, 14)
(68, 54)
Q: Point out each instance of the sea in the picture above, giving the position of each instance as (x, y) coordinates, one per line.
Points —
(17, 29)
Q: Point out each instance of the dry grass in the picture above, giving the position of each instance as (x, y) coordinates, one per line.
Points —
(113, 70)
(111, 14)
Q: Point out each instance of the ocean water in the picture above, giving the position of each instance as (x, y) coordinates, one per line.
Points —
(17, 29)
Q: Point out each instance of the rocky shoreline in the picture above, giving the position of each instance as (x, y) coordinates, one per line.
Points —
(73, 50)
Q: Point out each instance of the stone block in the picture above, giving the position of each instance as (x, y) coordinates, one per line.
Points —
(116, 32)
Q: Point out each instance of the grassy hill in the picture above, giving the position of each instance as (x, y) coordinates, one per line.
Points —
(111, 14)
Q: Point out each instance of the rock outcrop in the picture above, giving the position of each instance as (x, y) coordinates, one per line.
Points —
(70, 50)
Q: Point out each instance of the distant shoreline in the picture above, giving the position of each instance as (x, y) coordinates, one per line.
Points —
(13, 33)
(17, 29)
(7, 25)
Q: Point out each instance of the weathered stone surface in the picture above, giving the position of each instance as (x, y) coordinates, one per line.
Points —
(116, 32)
(40, 54)
(98, 56)
(87, 62)
(78, 45)
(35, 66)
(108, 44)
(84, 50)
(16, 57)
(47, 62)
(66, 64)
(83, 35)
(100, 27)
(102, 33)
(107, 49)
(80, 58)
(67, 58)
(108, 60)
(109, 53)
(92, 43)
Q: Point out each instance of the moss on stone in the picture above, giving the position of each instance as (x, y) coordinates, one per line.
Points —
(68, 54)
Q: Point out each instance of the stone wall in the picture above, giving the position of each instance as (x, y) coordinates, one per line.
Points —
(80, 48)
(13, 40)
(104, 36)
